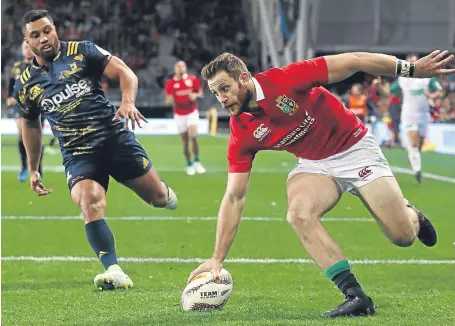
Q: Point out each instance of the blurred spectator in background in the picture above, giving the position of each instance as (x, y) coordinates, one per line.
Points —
(359, 103)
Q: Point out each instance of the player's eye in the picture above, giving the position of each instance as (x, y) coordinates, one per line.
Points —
(225, 88)
(34, 35)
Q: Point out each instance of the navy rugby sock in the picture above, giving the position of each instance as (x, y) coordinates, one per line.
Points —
(102, 240)
(340, 273)
(23, 154)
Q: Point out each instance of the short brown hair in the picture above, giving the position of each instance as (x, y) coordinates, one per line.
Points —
(233, 65)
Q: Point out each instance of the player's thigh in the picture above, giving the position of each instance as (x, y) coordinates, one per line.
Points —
(385, 201)
(311, 192)
(88, 180)
(132, 167)
(411, 129)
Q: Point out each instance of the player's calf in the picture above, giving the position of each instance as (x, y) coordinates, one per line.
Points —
(91, 199)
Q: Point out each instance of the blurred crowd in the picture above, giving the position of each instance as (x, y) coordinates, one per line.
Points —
(150, 36)
(371, 104)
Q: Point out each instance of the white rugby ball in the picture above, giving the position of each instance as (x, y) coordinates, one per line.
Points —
(203, 293)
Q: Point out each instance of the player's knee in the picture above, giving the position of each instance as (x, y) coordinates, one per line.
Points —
(299, 215)
(92, 206)
(404, 237)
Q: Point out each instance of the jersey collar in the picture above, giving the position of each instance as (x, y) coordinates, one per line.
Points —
(259, 92)
(185, 76)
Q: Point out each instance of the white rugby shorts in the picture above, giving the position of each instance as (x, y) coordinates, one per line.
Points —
(416, 123)
(357, 166)
(184, 121)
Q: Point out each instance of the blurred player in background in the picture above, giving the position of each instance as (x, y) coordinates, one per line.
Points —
(415, 112)
(336, 154)
(63, 82)
(182, 91)
(16, 71)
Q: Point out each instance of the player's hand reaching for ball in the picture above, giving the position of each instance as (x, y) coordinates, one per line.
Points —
(37, 186)
(129, 112)
(211, 265)
(434, 64)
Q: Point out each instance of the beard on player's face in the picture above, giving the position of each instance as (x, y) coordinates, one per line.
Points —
(242, 101)
(47, 51)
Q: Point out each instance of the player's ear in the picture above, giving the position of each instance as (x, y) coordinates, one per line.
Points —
(244, 77)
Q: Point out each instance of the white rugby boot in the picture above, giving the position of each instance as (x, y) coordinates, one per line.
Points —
(190, 170)
(199, 168)
(112, 279)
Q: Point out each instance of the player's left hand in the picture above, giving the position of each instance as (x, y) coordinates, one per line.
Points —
(192, 97)
(129, 112)
(433, 65)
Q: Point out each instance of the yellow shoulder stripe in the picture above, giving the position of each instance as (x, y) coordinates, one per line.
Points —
(25, 75)
(72, 48)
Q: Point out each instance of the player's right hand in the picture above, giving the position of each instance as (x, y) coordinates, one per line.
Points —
(211, 265)
(10, 101)
(37, 186)
(433, 65)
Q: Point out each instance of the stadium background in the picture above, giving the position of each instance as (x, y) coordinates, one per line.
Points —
(41, 286)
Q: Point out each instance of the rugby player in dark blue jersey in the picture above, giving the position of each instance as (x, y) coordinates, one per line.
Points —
(63, 82)
(16, 71)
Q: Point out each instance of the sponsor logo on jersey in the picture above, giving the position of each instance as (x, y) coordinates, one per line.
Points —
(74, 69)
(71, 91)
(261, 132)
(297, 133)
(287, 105)
(365, 172)
(35, 91)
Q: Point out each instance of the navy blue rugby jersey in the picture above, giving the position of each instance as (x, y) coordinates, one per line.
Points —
(70, 95)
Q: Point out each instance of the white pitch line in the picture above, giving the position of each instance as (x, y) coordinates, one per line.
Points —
(232, 260)
(426, 175)
(16, 168)
(180, 218)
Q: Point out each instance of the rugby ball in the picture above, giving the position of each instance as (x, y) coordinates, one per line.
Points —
(203, 293)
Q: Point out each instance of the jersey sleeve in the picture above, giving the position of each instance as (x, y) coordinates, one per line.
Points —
(434, 85)
(13, 76)
(395, 88)
(96, 57)
(168, 87)
(28, 108)
(196, 84)
(306, 74)
(240, 159)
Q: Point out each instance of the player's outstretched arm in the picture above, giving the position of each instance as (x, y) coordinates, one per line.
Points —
(116, 69)
(342, 66)
(33, 140)
(228, 222)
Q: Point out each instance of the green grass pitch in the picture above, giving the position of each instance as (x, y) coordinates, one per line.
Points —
(265, 293)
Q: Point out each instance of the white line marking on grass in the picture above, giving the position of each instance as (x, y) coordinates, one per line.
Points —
(426, 175)
(232, 260)
(16, 168)
(181, 218)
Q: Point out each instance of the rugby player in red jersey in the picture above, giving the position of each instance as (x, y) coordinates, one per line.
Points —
(336, 153)
(182, 91)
